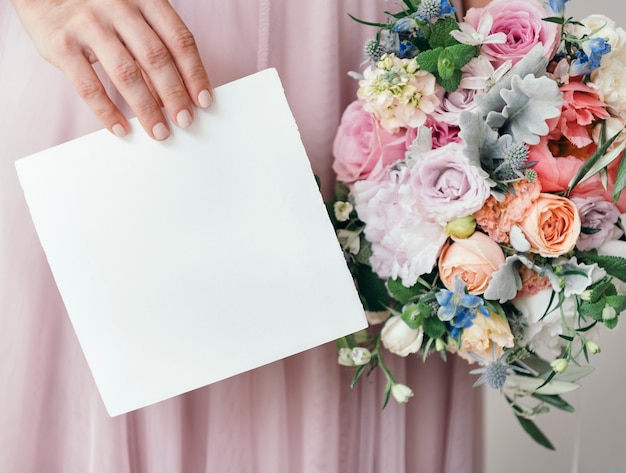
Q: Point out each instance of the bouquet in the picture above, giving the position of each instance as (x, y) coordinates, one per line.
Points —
(478, 198)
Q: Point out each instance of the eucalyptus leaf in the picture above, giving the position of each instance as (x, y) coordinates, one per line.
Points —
(531, 385)
(556, 401)
(597, 162)
(537, 435)
(620, 180)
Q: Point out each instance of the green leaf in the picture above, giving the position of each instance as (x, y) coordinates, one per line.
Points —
(445, 64)
(365, 251)
(618, 302)
(620, 180)
(372, 289)
(462, 53)
(592, 309)
(614, 265)
(368, 23)
(427, 60)
(537, 435)
(554, 400)
(599, 160)
(441, 32)
(452, 83)
(433, 327)
(401, 293)
(341, 192)
(357, 375)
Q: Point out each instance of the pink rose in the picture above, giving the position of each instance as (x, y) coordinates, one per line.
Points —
(473, 259)
(362, 148)
(522, 23)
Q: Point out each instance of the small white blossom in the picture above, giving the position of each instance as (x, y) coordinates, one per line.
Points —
(343, 210)
(470, 36)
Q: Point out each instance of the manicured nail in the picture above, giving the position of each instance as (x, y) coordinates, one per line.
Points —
(204, 98)
(183, 118)
(118, 130)
(160, 132)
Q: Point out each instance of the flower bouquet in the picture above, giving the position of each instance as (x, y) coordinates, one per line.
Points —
(478, 200)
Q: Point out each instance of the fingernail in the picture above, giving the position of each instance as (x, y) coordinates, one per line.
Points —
(183, 118)
(118, 130)
(204, 98)
(160, 132)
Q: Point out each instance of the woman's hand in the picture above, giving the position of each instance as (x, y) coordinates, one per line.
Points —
(142, 45)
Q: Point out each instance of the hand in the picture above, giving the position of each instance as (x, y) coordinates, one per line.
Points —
(143, 46)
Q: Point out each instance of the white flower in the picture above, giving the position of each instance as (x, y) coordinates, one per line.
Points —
(342, 210)
(399, 338)
(469, 35)
(398, 92)
(480, 75)
(542, 334)
(356, 356)
(610, 81)
(401, 393)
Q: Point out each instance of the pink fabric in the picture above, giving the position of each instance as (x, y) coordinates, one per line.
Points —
(294, 416)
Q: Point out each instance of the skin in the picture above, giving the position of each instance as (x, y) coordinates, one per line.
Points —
(142, 45)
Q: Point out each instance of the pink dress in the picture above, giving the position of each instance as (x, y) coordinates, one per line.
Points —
(293, 416)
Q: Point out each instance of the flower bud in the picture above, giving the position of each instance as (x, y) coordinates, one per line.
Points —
(559, 365)
(462, 227)
(342, 210)
(586, 295)
(592, 347)
(608, 313)
(401, 393)
(356, 356)
(440, 345)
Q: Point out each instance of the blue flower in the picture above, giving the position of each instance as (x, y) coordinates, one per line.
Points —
(588, 59)
(557, 6)
(457, 308)
(405, 24)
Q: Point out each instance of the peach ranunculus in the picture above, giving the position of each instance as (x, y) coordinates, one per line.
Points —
(552, 225)
(522, 23)
(362, 147)
(483, 334)
(473, 259)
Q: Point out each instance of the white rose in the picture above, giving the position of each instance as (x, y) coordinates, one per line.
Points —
(399, 338)
(610, 81)
(605, 28)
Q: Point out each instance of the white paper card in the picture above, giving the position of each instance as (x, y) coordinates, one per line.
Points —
(186, 262)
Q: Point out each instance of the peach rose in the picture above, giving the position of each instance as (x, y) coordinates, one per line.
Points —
(552, 225)
(473, 259)
(483, 334)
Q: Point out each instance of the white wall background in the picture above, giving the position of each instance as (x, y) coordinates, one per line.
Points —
(593, 439)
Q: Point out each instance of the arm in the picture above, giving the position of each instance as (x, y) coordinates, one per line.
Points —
(142, 45)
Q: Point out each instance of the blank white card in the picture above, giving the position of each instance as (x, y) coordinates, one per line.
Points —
(186, 262)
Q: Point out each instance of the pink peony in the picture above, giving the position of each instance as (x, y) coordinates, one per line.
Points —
(362, 148)
(522, 23)
(405, 244)
(556, 172)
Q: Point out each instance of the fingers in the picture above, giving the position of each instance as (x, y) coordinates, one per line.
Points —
(183, 49)
(77, 67)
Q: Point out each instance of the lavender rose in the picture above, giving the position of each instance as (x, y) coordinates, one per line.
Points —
(446, 185)
(362, 148)
(598, 214)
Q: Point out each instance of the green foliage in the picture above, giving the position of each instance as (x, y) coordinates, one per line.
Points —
(535, 433)
(620, 180)
(613, 265)
(372, 289)
(445, 63)
(402, 293)
(434, 327)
